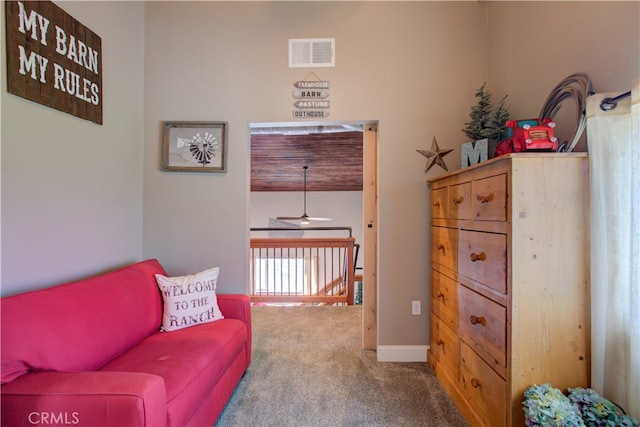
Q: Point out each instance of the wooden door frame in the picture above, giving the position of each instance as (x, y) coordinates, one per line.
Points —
(370, 236)
(370, 221)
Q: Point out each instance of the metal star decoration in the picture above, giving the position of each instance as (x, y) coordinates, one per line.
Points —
(435, 156)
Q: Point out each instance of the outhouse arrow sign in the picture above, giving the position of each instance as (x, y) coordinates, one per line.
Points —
(309, 114)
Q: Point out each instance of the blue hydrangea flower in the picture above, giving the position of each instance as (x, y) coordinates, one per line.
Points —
(547, 406)
(597, 411)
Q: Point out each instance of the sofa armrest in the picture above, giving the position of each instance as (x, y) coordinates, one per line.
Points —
(84, 399)
(237, 306)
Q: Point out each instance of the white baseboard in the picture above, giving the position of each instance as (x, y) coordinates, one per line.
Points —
(402, 353)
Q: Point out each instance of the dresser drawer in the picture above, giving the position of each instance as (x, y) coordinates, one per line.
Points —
(483, 387)
(483, 325)
(444, 247)
(439, 203)
(459, 205)
(445, 345)
(489, 198)
(444, 299)
(483, 258)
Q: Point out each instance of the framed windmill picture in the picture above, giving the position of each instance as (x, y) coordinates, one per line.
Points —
(194, 146)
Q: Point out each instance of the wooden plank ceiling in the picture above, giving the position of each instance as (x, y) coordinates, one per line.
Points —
(334, 161)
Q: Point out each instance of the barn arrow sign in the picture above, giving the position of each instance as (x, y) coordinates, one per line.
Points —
(306, 94)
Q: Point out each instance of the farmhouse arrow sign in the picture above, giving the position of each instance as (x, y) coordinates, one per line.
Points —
(305, 84)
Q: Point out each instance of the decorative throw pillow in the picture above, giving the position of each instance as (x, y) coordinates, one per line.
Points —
(189, 300)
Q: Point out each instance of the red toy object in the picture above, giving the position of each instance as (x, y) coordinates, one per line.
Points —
(529, 135)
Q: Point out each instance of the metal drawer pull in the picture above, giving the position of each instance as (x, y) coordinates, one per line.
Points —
(458, 200)
(440, 342)
(478, 257)
(478, 319)
(440, 295)
(485, 199)
(440, 247)
(436, 204)
(475, 383)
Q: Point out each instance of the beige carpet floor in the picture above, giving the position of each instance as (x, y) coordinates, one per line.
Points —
(308, 369)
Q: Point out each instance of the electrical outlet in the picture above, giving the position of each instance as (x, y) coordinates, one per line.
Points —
(415, 308)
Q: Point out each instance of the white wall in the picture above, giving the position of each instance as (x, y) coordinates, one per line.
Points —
(413, 66)
(72, 190)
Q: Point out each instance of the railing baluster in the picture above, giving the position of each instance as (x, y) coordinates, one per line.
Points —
(294, 282)
(296, 269)
(272, 269)
(311, 268)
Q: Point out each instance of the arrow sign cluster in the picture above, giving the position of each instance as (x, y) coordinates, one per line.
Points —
(311, 99)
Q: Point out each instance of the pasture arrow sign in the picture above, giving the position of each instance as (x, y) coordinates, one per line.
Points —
(311, 104)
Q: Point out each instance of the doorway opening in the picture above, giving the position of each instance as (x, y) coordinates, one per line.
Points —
(339, 160)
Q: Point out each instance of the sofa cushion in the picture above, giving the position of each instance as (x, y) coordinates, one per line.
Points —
(105, 399)
(190, 361)
(82, 325)
(189, 300)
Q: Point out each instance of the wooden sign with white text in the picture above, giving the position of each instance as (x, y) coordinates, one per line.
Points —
(312, 84)
(53, 60)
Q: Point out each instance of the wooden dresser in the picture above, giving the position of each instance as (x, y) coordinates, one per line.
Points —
(510, 281)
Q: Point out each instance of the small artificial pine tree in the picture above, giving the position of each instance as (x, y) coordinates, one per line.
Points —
(475, 129)
(498, 118)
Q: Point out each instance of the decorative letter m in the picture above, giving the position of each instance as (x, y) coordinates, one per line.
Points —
(474, 153)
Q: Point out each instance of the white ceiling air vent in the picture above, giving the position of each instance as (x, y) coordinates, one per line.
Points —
(309, 53)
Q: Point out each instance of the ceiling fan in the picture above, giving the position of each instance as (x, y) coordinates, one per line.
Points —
(304, 218)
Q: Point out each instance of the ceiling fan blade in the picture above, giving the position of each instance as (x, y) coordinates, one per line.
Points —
(301, 218)
(289, 218)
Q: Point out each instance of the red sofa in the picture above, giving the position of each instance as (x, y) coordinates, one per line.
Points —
(90, 353)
